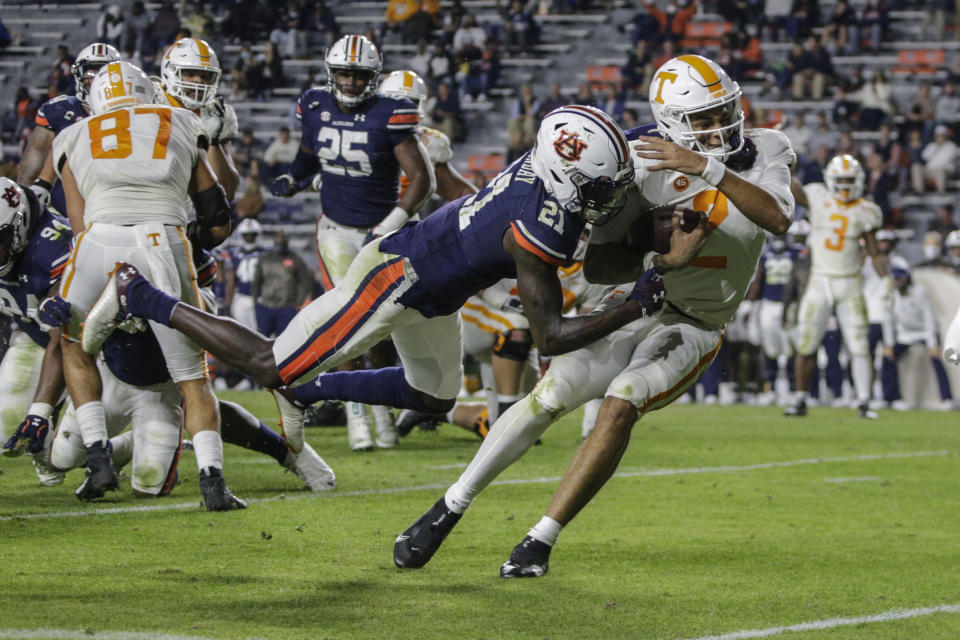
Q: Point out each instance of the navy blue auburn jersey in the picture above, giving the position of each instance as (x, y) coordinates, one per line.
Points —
(245, 266)
(135, 358)
(458, 250)
(777, 270)
(35, 272)
(59, 113)
(361, 174)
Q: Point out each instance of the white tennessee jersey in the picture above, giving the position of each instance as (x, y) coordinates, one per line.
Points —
(436, 143)
(133, 165)
(711, 288)
(835, 230)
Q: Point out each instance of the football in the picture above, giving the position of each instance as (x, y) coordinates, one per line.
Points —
(652, 231)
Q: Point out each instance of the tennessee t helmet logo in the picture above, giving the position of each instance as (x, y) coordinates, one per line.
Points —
(569, 146)
(12, 196)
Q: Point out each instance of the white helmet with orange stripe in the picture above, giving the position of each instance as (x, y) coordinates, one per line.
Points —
(844, 178)
(406, 84)
(582, 157)
(697, 105)
(190, 72)
(119, 84)
(355, 56)
(88, 62)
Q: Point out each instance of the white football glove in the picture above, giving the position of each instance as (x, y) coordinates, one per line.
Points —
(394, 220)
(317, 183)
(219, 121)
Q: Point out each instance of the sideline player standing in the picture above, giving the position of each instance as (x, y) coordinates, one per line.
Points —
(839, 219)
(358, 142)
(127, 172)
(703, 160)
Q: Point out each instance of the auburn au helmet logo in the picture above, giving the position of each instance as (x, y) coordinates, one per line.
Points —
(12, 196)
(569, 146)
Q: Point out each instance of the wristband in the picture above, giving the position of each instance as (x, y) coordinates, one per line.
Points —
(714, 172)
(40, 182)
(648, 260)
(41, 409)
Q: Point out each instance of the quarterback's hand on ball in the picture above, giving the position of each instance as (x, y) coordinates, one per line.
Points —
(649, 292)
(684, 246)
(53, 312)
(28, 437)
(670, 155)
(284, 186)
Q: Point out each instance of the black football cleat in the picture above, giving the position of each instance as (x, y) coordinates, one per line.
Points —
(799, 409)
(408, 419)
(216, 496)
(865, 412)
(529, 559)
(328, 413)
(100, 475)
(415, 546)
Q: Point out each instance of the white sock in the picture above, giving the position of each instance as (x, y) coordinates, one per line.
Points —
(208, 448)
(456, 499)
(862, 376)
(92, 422)
(546, 531)
(355, 411)
(509, 438)
(801, 396)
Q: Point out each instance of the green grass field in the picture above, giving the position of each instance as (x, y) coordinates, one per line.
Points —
(725, 522)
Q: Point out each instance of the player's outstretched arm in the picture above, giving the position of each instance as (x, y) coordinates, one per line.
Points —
(38, 148)
(413, 159)
(542, 299)
(450, 184)
(880, 264)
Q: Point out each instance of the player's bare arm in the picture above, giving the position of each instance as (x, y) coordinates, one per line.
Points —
(221, 162)
(35, 155)
(758, 205)
(413, 160)
(798, 193)
(450, 184)
(542, 299)
(214, 219)
(880, 263)
(71, 193)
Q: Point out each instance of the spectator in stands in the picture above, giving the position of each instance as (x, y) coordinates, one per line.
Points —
(668, 51)
(414, 19)
(524, 117)
(881, 181)
(398, 12)
(630, 119)
(947, 106)
(811, 168)
(166, 22)
(20, 118)
(469, 76)
(469, 33)
(874, 99)
(741, 12)
(672, 22)
(272, 67)
(245, 149)
(612, 102)
(490, 65)
(555, 100)
(943, 222)
(639, 66)
(519, 26)
(279, 154)
(919, 115)
(286, 37)
(939, 162)
(799, 133)
(5, 38)
(912, 156)
(586, 96)
(137, 30)
(822, 135)
(445, 111)
(282, 284)
(420, 61)
(933, 251)
(842, 31)
(888, 145)
(804, 16)
(320, 26)
(875, 22)
(643, 26)
(110, 26)
(441, 68)
(61, 71)
(199, 21)
(517, 144)
(953, 71)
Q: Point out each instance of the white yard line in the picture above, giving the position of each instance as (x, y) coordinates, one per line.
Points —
(860, 479)
(72, 634)
(194, 504)
(830, 623)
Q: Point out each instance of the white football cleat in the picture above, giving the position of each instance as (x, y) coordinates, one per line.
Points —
(311, 468)
(387, 435)
(291, 421)
(109, 312)
(358, 427)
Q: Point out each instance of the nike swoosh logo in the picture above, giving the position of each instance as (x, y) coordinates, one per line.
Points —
(401, 538)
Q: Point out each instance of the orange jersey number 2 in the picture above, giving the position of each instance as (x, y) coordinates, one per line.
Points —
(118, 127)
